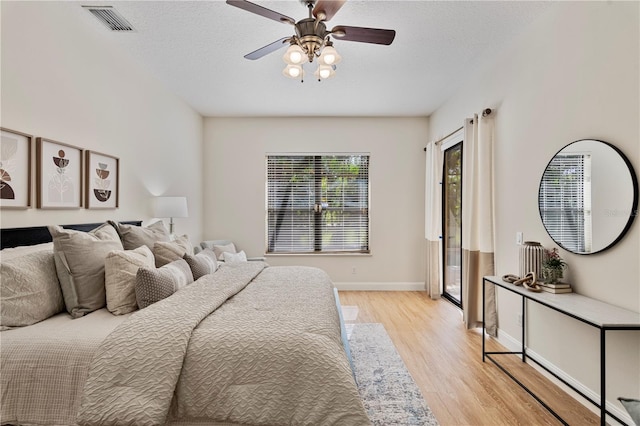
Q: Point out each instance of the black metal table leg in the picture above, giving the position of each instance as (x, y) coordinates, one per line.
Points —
(603, 379)
(484, 325)
(524, 329)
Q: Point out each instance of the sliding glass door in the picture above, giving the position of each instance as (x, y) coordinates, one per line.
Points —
(452, 223)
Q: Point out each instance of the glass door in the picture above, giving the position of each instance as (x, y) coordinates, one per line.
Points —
(452, 223)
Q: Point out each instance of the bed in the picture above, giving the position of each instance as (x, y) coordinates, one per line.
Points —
(247, 344)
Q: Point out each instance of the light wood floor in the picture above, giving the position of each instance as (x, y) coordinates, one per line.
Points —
(445, 360)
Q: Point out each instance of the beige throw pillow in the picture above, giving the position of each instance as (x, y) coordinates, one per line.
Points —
(167, 252)
(133, 236)
(153, 285)
(13, 252)
(79, 258)
(30, 291)
(120, 268)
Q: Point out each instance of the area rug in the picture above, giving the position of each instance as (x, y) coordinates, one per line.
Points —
(388, 391)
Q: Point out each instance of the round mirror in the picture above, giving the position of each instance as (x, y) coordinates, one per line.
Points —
(588, 196)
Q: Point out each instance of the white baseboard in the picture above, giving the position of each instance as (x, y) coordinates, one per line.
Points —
(514, 345)
(381, 286)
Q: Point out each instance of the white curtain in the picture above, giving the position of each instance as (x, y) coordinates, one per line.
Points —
(433, 219)
(478, 222)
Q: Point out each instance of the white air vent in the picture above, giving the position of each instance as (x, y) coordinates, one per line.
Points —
(110, 17)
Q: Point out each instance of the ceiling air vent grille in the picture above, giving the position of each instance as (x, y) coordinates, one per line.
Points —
(111, 18)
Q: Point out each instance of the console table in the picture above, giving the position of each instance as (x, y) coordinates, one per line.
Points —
(595, 313)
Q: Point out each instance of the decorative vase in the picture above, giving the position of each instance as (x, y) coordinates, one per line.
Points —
(552, 275)
(531, 256)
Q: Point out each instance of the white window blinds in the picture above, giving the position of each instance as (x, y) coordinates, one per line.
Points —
(318, 203)
(565, 201)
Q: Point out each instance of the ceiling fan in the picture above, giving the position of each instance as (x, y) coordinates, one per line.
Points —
(312, 39)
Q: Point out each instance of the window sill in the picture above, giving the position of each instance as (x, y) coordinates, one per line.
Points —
(318, 254)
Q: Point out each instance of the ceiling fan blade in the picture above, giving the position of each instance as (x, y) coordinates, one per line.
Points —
(363, 35)
(269, 48)
(262, 11)
(327, 8)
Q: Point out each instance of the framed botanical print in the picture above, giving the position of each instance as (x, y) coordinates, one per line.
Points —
(15, 169)
(101, 181)
(59, 175)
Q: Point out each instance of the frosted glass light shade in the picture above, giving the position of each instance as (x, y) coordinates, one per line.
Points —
(293, 71)
(324, 72)
(329, 56)
(295, 55)
(170, 207)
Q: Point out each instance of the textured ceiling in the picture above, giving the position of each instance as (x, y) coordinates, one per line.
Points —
(197, 48)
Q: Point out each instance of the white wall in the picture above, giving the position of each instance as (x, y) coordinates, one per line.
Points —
(574, 74)
(66, 83)
(234, 180)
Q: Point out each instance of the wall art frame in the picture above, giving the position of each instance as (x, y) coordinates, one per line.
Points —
(59, 175)
(15, 169)
(102, 181)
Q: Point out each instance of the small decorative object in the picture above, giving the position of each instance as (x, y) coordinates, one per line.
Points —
(559, 288)
(531, 257)
(15, 170)
(528, 281)
(553, 266)
(59, 175)
(102, 181)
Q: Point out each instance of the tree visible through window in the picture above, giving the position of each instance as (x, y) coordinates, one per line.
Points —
(317, 203)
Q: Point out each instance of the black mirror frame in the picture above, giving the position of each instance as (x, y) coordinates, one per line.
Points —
(634, 206)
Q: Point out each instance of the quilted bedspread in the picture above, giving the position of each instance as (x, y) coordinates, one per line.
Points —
(246, 345)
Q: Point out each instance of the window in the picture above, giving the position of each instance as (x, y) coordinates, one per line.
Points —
(318, 203)
(565, 200)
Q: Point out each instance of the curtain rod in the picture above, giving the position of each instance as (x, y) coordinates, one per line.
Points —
(485, 112)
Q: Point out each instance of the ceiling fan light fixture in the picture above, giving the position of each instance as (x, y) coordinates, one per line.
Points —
(312, 40)
(295, 55)
(329, 56)
(293, 71)
(324, 71)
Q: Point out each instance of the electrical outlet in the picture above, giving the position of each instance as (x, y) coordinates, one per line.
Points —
(353, 270)
(519, 320)
(519, 238)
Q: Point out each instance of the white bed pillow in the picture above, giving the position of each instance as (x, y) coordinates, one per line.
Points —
(235, 257)
(120, 269)
(79, 258)
(30, 291)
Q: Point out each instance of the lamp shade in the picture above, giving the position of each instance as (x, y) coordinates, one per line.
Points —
(170, 207)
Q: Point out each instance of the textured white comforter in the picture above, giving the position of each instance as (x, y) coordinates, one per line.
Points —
(245, 345)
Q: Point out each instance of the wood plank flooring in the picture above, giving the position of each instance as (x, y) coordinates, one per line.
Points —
(445, 360)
